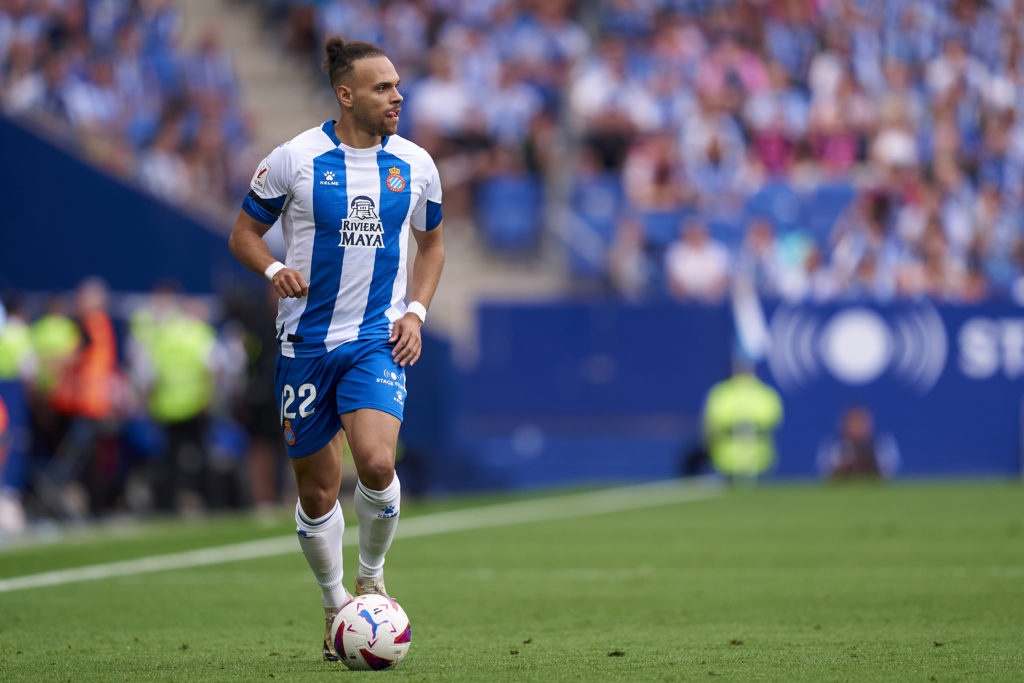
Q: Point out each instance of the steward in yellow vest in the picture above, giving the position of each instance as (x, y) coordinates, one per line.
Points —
(740, 418)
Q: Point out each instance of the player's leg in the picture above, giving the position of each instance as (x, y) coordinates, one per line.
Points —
(373, 437)
(312, 432)
(371, 401)
(318, 519)
(320, 526)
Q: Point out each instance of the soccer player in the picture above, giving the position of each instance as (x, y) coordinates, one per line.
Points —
(346, 193)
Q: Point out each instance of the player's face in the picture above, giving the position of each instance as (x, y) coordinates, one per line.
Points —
(374, 100)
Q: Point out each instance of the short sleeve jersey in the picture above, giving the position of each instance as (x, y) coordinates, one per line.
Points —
(345, 214)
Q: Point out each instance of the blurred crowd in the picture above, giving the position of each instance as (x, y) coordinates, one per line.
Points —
(484, 80)
(823, 149)
(143, 406)
(112, 79)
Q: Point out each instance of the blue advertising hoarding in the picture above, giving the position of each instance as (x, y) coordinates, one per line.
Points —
(945, 382)
(570, 392)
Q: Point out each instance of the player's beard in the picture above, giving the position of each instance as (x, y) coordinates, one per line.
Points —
(372, 123)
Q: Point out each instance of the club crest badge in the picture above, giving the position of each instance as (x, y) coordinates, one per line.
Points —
(395, 181)
(289, 433)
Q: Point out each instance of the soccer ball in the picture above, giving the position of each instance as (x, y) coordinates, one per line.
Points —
(371, 632)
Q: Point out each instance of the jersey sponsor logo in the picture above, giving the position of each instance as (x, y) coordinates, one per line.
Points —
(259, 181)
(329, 179)
(362, 228)
(395, 182)
(363, 209)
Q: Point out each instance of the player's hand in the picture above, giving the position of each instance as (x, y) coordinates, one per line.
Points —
(406, 338)
(289, 282)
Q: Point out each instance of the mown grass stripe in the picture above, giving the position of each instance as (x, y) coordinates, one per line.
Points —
(469, 519)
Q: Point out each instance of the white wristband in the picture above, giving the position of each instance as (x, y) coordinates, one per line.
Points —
(273, 269)
(418, 309)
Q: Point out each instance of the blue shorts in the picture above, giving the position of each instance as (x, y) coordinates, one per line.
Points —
(313, 392)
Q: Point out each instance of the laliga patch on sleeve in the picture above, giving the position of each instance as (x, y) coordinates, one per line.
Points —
(259, 181)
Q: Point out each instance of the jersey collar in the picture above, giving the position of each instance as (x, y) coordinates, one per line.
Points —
(328, 129)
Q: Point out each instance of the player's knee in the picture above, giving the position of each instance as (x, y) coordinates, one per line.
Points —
(377, 473)
(317, 498)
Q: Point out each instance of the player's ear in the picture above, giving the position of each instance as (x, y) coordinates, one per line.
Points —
(344, 94)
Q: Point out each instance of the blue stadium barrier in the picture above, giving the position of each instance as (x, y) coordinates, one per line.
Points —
(596, 359)
(84, 221)
(562, 394)
(945, 382)
(509, 211)
(568, 393)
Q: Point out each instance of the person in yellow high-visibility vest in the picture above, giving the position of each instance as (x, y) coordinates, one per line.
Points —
(173, 345)
(740, 418)
(55, 336)
(182, 386)
(17, 355)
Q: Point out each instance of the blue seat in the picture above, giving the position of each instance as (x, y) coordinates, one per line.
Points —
(509, 211)
(729, 230)
(598, 202)
(827, 203)
(662, 227)
(778, 202)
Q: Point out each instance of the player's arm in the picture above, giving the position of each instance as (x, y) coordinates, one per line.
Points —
(426, 273)
(246, 243)
(427, 266)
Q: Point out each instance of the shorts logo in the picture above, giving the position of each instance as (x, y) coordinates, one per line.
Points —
(392, 378)
(395, 181)
(289, 433)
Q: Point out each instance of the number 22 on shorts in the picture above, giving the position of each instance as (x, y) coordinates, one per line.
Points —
(306, 395)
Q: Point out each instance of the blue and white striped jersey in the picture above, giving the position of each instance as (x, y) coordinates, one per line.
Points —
(345, 214)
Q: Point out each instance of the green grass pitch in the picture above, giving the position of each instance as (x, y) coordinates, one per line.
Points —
(898, 582)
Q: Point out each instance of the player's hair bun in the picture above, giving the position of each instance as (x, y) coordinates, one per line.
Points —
(340, 55)
(334, 48)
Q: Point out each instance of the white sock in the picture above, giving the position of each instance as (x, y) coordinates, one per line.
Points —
(320, 540)
(377, 512)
